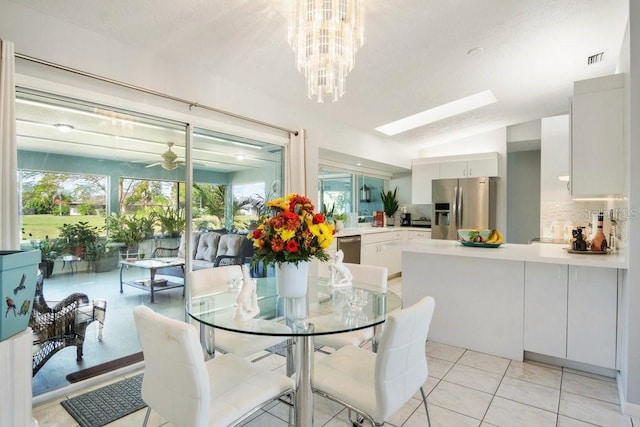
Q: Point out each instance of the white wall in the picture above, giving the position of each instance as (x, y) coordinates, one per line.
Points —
(491, 141)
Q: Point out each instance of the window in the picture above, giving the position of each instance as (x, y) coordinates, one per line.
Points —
(51, 199)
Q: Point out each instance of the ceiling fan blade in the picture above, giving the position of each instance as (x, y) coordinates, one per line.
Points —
(153, 164)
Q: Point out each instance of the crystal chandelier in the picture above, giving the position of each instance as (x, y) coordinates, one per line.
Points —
(325, 36)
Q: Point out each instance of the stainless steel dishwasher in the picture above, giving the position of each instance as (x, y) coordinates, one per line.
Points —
(350, 246)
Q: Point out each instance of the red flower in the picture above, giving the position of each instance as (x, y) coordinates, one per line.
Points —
(290, 215)
(292, 246)
(257, 233)
(318, 218)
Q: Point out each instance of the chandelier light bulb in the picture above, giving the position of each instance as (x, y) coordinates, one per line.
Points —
(325, 36)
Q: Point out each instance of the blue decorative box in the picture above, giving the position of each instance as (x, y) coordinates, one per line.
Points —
(18, 275)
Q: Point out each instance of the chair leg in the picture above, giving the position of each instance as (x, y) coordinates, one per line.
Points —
(146, 417)
(426, 408)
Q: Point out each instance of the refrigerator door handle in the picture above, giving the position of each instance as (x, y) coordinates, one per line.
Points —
(455, 208)
(460, 208)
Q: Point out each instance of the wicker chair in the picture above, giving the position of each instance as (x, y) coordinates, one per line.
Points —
(62, 325)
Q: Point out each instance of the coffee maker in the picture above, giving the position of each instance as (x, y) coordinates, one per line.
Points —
(405, 219)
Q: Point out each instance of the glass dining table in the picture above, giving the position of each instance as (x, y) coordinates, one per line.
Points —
(324, 310)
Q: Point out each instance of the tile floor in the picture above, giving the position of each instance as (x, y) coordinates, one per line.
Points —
(465, 388)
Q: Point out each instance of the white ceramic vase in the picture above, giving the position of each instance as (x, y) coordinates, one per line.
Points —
(291, 279)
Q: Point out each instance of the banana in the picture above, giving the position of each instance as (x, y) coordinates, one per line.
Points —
(495, 237)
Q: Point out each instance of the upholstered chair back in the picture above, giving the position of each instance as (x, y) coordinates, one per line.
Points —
(209, 279)
(208, 246)
(230, 244)
(195, 239)
(370, 276)
(401, 362)
(175, 382)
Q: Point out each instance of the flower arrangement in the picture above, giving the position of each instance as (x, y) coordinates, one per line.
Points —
(292, 233)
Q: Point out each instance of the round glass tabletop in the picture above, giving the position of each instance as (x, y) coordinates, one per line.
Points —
(324, 310)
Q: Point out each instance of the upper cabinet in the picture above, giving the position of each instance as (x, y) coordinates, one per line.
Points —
(422, 173)
(597, 137)
(425, 170)
(485, 166)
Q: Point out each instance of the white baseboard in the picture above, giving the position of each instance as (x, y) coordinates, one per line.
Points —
(630, 409)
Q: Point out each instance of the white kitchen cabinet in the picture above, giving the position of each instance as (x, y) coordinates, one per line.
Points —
(597, 137)
(570, 312)
(418, 235)
(373, 252)
(545, 309)
(592, 315)
(421, 176)
(487, 165)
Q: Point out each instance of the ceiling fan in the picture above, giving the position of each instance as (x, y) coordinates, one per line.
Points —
(170, 159)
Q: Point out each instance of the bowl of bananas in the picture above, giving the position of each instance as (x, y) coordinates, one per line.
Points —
(480, 238)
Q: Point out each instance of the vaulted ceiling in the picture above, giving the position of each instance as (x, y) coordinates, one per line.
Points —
(416, 55)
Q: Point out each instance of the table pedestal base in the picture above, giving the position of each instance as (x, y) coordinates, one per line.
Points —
(304, 391)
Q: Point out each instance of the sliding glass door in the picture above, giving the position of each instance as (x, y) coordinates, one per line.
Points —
(121, 176)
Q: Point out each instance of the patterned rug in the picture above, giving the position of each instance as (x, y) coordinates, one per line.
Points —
(107, 404)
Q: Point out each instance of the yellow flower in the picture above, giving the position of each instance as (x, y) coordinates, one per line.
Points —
(280, 203)
(286, 234)
(325, 236)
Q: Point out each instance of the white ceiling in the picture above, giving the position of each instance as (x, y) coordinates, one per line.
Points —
(414, 58)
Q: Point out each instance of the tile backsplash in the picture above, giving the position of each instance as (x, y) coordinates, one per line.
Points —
(557, 219)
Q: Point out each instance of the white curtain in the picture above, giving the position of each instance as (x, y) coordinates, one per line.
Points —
(9, 195)
(296, 176)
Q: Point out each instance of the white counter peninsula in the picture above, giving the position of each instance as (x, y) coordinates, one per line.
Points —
(504, 301)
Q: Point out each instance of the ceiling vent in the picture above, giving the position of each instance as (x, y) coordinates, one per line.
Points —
(594, 59)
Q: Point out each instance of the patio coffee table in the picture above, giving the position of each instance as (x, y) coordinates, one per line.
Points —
(151, 284)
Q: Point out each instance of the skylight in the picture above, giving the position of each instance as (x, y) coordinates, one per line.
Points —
(440, 112)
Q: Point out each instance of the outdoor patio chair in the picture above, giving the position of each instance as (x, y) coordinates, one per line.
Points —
(62, 325)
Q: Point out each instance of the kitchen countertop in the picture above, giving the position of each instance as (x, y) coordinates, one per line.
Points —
(534, 252)
(355, 231)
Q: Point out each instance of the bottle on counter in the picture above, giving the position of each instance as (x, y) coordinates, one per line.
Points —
(599, 241)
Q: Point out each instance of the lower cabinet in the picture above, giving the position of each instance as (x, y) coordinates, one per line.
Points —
(570, 312)
(592, 320)
(545, 309)
(372, 251)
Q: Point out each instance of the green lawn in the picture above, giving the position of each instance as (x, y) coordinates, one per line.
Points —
(49, 225)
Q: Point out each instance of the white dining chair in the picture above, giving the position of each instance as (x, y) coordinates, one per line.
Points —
(368, 276)
(187, 391)
(211, 280)
(375, 385)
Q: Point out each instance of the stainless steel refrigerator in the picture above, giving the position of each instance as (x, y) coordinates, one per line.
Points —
(462, 203)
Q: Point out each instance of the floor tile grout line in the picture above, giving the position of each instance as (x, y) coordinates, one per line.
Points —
(494, 395)
(560, 396)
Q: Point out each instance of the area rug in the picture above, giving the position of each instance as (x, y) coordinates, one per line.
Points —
(109, 366)
(107, 404)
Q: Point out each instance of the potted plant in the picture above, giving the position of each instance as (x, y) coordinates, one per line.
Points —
(78, 236)
(171, 220)
(339, 220)
(147, 221)
(126, 229)
(49, 249)
(101, 257)
(390, 203)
